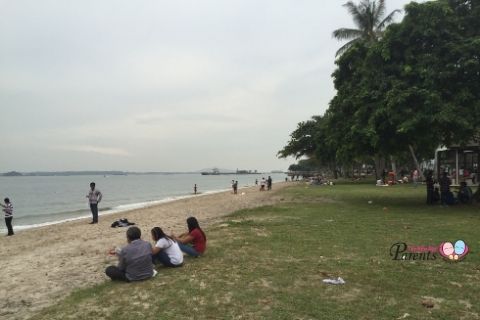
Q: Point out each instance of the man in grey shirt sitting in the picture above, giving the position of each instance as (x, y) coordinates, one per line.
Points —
(134, 260)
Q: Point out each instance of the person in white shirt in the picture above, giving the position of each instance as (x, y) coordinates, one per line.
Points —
(94, 197)
(166, 250)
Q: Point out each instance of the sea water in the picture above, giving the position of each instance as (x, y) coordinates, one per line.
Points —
(39, 201)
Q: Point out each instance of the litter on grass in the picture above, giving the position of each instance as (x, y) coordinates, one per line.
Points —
(339, 280)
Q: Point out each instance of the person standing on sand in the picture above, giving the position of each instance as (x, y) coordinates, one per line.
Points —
(269, 183)
(8, 209)
(195, 189)
(94, 197)
(235, 187)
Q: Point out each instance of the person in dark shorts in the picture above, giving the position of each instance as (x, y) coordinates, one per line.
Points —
(8, 210)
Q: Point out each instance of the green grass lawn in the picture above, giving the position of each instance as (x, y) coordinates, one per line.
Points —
(268, 263)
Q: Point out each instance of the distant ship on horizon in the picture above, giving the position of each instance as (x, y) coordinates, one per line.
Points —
(216, 172)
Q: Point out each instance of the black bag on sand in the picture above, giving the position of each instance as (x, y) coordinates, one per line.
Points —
(122, 223)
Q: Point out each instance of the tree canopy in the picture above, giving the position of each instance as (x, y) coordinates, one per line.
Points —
(414, 88)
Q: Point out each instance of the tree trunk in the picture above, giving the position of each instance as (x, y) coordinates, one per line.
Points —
(333, 167)
(394, 166)
(379, 166)
(415, 160)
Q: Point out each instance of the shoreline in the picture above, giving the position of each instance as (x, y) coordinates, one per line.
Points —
(59, 215)
(43, 264)
(123, 208)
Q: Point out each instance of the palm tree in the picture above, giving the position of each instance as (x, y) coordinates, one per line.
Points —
(368, 16)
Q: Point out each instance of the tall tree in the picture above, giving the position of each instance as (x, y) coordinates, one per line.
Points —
(369, 17)
(424, 90)
(414, 89)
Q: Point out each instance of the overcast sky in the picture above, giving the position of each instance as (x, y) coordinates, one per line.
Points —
(154, 85)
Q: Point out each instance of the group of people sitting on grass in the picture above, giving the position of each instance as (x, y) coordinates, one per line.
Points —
(137, 259)
(320, 180)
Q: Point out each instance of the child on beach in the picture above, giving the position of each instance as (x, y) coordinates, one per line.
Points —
(166, 250)
(8, 209)
(193, 242)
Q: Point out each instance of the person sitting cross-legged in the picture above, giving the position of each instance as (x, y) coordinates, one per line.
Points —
(194, 242)
(134, 260)
(166, 250)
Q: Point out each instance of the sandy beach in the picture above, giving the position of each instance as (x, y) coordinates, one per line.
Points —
(42, 265)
